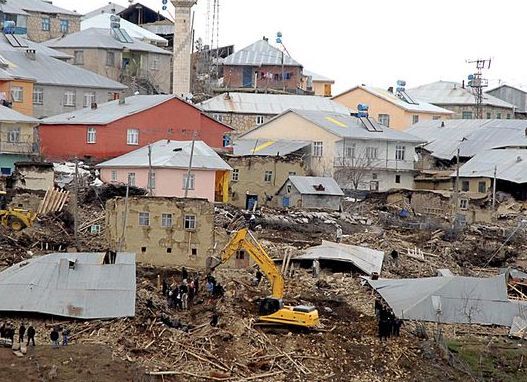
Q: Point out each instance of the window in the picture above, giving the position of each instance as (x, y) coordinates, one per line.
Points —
(110, 58)
(318, 149)
(508, 116)
(78, 57)
(235, 175)
(169, 250)
(292, 173)
(17, 93)
(91, 135)
(89, 99)
(38, 96)
(144, 219)
(155, 62)
(189, 223)
(482, 187)
(194, 251)
(132, 136)
(259, 119)
(399, 152)
(374, 176)
(397, 178)
(166, 220)
(143, 249)
(415, 119)
(384, 119)
(69, 98)
(226, 140)
(64, 26)
(191, 180)
(463, 204)
(436, 117)
(45, 24)
(498, 115)
(288, 188)
(489, 115)
(13, 135)
(465, 185)
(466, 115)
(152, 180)
(350, 151)
(268, 176)
(114, 176)
(218, 117)
(371, 152)
(131, 179)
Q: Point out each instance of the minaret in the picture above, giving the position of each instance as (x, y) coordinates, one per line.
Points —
(182, 46)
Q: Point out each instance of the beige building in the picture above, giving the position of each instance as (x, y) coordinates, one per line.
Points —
(163, 231)
(317, 84)
(260, 168)
(391, 109)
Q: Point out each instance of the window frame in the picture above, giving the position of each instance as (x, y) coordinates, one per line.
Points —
(131, 179)
(92, 96)
(192, 182)
(400, 152)
(318, 149)
(76, 60)
(154, 64)
(370, 150)
(192, 222)
(130, 134)
(415, 119)
(13, 135)
(465, 114)
(397, 179)
(463, 183)
(64, 26)
(268, 176)
(151, 181)
(235, 176)
(167, 218)
(91, 135)
(113, 175)
(38, 93)
(45, 24)
(484, 184)
(143, 219)
(70, 94)
(110, 62)
(383, 116)
(19, 91)
(259, 120)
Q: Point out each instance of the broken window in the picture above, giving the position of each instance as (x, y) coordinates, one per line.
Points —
(465, 185)
(235, 175)
(400, 152)
(194, 251)
(188, 181)
(318, 149)
(190, 222)
(144, 219)
(268, 176)
(143, 249)
(463, 204)
(132, 137)
(482, 187)
(89, 99)
(166, 220)
(288, 188)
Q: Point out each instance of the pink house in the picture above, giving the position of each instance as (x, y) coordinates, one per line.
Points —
(209, 176)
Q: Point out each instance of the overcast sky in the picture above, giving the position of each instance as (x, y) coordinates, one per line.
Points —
(375, 42)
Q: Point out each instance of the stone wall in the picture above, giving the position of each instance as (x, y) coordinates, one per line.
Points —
(34, 26)
(240, 122)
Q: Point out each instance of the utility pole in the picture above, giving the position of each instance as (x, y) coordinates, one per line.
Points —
(494, 187)
(76, 205)
(187, 183)
(125, 216)
(456, 187)
(150, 172)
(477, 83)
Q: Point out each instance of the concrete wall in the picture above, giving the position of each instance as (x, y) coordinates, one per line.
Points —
(377, 180)
(34, 26)
(251, 177)
(241, 123)
(233, 77)
(400, 119)
(35, 178)
(168, 182)
(473, 184)
(152, 243)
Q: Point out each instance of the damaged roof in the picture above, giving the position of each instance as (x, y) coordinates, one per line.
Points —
(267, 147)
(314, 185)
(272, 104)
(511, 165)
(366, 259)
(470, 135)
(260, 53)
(170, 154)
(74, 285)
(456, 299)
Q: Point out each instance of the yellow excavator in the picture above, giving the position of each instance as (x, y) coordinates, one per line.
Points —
(272, 308)
(15, 218)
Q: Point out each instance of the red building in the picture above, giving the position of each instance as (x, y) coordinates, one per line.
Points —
(118, 127)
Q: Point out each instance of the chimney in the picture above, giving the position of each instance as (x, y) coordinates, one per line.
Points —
(94, 105)
(122, 99)
(31, 54)
(390, 89)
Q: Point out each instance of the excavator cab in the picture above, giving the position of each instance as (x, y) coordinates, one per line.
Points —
(270, 305)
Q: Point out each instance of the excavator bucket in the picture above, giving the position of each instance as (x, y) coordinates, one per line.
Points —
(212, 262)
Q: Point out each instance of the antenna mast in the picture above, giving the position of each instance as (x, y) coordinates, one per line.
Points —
(477, 83)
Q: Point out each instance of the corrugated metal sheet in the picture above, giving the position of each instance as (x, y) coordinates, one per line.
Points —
(451, 299)
(9, 115)
(451, 93)
(307, 184)
(38, 6)
(111, 8)
(366, 259)
(39, 48)
(470, 135)
(347, 126)
(511, 165)
(267, 147)
(171, 154)
(270, 104)
(99, 38)
(103, 21)
(317, 77)
(109, 111)
(91, 290)
(260, 53)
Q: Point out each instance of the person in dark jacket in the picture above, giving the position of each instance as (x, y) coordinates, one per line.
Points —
(31, 335)
(21, 332)
(54, 336)
(184, 273)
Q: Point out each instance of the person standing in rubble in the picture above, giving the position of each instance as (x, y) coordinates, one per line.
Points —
(65, 335)
(183, 289)
(338, 234)
(21, 332)
(316, 267)
(2, 330)
(54, 336)
(184, 274)
(191, 291)
(31, 334)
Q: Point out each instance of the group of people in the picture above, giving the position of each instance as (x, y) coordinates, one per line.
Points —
(7, 331)
(180, 296)
(54, 336)
(389, 324)
(214, 288)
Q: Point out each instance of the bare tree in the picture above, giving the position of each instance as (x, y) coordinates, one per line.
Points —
(352, 169)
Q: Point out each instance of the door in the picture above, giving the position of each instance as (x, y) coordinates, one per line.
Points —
(250, 201)
(247, 77)
(285, 201)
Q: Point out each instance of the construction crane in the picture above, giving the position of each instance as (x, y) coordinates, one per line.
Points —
(272, 308)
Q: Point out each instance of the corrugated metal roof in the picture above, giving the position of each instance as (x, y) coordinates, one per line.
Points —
(452, 93)
(347, 126)
(102, 39)
(317, 77)
(470, 135)
(260, 53)
(39, 48)
(306, 185)
(511, 165)
(103, 21)
(273, 104)
(267, 147)
(419, 107)
(111, 8)
(51, 71)
(171, 154)
(9, 115)
(91, 290)
(37, 6)
(109, 111)
(366, 259)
